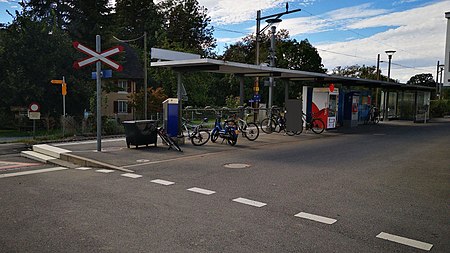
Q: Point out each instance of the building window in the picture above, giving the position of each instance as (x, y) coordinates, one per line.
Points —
(121, 106)
(123, 85)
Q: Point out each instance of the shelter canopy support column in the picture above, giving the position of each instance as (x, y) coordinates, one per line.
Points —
(241, 90)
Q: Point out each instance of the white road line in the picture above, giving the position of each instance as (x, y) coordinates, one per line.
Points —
(405, 241)
(83, 168)
(23, 173)
(201, 191)
(104, 171)
(131, 175)
(249, 202)
(314, 217)
(162, 182)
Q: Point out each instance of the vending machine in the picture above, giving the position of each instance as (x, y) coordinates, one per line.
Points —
(322, 103)
(170, 116)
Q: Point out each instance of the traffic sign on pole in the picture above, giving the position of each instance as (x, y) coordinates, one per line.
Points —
(34, 107)
(94, 56)
(56, 81)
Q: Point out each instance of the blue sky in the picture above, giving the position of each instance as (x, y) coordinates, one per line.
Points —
(345, 32)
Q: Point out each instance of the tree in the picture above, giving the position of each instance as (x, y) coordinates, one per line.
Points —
(424, 79)
(35, 53)
(156, 97)
(186, 28)
(356, 71)
(134, 17)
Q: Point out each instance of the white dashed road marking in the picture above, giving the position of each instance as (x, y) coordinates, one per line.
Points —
(162, 182)
(315, 218)
(83, 168)
(249, 202)
(201, 191)
(105, 171)
(131, 175)
(405, 241)
(22, 173)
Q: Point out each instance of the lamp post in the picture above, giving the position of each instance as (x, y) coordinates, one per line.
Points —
(389, 54)
(271, 19)
(386, 94)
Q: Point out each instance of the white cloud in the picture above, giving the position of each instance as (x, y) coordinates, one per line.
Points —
(233, 12)
(333, 20)
(359, 11)
(229, 40)
(418, 36)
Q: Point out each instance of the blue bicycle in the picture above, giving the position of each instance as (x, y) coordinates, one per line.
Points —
(228, 131)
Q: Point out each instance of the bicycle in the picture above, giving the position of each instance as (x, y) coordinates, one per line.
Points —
(196, 134)
(373, 116)
(315, 124)
(249, 130)
(275, 123)
(168, 140)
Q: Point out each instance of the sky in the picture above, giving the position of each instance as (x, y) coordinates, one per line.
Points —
(345, 32)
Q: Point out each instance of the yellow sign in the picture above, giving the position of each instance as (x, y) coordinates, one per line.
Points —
(256, 88)
(56, 81)
(64, 89)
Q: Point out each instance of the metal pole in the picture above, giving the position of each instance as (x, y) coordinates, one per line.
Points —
(272, 64)
(378, 67)
(64, 110)
(241, 90)
(258, 28)
(34, 128)
(437, 79)
(99, 95)
(145, 76)
(256, 83)
(179, 96)
(389, 68)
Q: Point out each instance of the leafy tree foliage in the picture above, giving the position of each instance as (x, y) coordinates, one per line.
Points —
(32, 57)
(424, 79)
(185, 26)
(134, 17)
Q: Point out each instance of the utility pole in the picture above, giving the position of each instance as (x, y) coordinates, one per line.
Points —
(145, 76)
(271, 19)
(272, 64)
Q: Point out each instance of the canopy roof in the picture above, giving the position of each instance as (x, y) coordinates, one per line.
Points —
(227, 67)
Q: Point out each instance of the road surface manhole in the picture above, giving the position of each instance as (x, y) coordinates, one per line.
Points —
(236, 165)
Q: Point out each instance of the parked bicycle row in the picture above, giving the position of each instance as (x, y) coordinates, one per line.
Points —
(230, 123)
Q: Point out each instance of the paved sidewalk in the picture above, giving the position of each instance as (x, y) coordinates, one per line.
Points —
(115, 152)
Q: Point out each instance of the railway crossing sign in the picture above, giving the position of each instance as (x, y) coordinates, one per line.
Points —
(98, 57)
(94, 56)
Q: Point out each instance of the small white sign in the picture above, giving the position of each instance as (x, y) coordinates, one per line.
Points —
(34, 115)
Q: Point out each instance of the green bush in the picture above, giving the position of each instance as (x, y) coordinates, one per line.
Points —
(111, 126)
(439, 108)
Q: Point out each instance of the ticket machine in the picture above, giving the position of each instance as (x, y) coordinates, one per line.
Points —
(322, 103)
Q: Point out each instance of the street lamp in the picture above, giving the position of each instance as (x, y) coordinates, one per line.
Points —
(271, 19)
(389, 54)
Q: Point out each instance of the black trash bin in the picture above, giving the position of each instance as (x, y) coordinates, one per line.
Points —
(141, 132)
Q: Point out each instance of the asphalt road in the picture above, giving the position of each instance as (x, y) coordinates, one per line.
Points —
(388, 181)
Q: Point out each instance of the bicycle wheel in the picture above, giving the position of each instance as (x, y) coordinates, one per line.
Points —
(173, 144)
(214, 135)
(200, 138)
(376, 120)
(301, 129)
(251, 131)
(267, 125)
(164, 138)
(232, 140)
(317, 125)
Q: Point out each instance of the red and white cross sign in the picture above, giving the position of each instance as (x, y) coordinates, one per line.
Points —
(94, 56)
